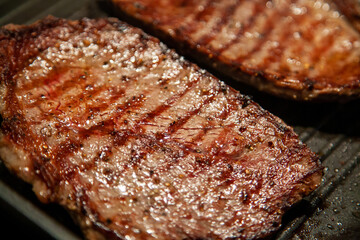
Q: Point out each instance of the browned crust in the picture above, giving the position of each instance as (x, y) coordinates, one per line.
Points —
(272, 83)
(14, 42)
(351, 10)
(16, 142)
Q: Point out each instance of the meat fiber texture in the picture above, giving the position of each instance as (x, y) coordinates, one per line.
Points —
(137, 143)
(297, 49)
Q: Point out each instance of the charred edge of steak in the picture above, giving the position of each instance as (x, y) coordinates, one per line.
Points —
(223, 68)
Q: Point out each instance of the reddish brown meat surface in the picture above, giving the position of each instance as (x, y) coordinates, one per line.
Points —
(351, 10)
(299, 49)
(137, 143)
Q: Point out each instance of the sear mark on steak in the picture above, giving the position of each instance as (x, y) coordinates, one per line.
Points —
(298, 49)
(137, 143)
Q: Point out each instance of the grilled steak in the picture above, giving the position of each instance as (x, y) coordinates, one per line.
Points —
(300, 49)
(138, 143)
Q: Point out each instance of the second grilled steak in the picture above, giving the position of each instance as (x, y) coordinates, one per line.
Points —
(138, 143)
(300, 49)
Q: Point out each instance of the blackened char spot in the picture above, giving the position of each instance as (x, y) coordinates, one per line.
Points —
(356, 16)
(139, 6)
(244, 100)
(309, 84)
(244, 196)
(242, 129)
(144, 39)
